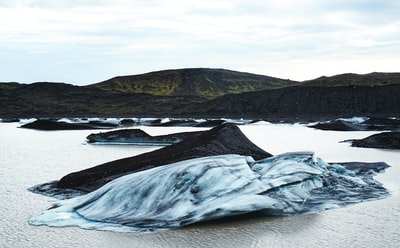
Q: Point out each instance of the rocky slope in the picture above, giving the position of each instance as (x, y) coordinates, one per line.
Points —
(56, 99)
(307, 103)
(352, 79)
(208, 93)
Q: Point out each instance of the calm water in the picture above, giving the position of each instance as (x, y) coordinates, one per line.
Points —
(29, 157)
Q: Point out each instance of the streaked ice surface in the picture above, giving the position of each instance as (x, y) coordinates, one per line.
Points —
(208, 188)
(31, 157)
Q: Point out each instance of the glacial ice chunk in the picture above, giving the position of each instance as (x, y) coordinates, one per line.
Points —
(214, 187)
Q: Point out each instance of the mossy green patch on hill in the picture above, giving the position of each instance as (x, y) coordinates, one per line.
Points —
(150, 87)
(199, 82)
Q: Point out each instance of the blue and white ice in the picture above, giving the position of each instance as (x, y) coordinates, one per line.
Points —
(207, 188)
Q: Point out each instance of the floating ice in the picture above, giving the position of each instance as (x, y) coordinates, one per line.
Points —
(208, 188)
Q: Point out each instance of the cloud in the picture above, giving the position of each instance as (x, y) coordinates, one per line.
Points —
(126, 37)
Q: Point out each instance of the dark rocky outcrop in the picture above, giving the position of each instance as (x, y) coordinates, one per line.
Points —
(53, 125)
(371, 124)
(139, 137)
(386, 140)
(376, 123)
(339, 125)
(224, 139)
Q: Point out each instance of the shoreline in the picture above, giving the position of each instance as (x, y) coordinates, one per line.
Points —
(271, 119)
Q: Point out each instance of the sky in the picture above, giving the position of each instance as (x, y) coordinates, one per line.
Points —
(89, 41)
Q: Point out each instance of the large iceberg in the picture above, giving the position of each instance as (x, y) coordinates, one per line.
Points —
(224, 139)
(213, 187)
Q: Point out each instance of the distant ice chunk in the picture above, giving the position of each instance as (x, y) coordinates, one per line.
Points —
(26, 121)
(355, 119)
(208, 188)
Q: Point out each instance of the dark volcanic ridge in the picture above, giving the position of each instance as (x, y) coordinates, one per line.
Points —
(208, 93)
(385, 140)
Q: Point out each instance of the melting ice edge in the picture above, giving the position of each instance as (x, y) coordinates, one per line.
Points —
(214, 187)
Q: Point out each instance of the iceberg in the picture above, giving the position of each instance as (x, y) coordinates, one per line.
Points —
(224, 139)
(213, 187)
(139, 137)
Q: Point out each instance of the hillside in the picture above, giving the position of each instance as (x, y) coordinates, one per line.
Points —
(197, 82)
(352, 79)
(306, 103)
(207, 93)
(58, 100)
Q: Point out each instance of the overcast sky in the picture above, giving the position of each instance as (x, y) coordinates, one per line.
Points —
(88, 41)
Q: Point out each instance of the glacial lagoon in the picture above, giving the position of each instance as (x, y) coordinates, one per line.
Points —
(30, 157)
